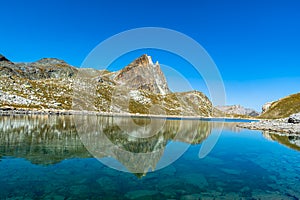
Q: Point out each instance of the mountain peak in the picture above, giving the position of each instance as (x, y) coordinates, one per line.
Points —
(143, 74)
(143, 60)
(52, 61)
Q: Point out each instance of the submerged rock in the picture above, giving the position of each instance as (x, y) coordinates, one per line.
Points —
(136, 194)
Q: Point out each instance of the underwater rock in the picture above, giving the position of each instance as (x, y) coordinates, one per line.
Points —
(191, 197)
(197, 180)
(140, 193)
(54, 197)
(106, 183)
(231, 171)
(168, 171)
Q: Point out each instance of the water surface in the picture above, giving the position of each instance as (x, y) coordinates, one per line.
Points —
(53, 157)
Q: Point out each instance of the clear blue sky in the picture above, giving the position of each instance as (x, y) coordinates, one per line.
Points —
(255, 44)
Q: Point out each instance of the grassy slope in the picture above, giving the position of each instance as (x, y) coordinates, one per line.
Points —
(283, 107)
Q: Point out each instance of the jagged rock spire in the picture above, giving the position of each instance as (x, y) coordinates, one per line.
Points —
(143, 74)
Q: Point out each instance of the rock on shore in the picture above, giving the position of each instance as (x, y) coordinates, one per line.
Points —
(285, 125)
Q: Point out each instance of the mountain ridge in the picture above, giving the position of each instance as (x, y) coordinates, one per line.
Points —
(51, 83)
(282, 108)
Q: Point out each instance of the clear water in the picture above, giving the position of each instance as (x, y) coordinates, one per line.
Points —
(45, 157)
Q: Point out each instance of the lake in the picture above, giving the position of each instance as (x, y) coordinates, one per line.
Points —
(90, 157)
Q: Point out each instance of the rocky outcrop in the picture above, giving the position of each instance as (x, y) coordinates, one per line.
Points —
(238, 110)
(282, 108)
(285, 125)
(143, 74)
(266, 106)
(295, 118)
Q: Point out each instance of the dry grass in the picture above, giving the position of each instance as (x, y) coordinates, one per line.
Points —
(283, 107)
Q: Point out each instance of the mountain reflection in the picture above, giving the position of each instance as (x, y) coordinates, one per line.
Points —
(138, 144)
(291, 141)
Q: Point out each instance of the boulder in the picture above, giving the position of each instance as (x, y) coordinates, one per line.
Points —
(6, 108)
(294, 118)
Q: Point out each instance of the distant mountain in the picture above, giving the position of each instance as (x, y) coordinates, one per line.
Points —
(237, 110)
(282, 108)
(140, 87)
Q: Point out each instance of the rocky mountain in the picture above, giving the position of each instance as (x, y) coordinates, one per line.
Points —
(282, 108)
(2, 58)
(140, 87)
(42, 69)
(238, 110)
(143, 74)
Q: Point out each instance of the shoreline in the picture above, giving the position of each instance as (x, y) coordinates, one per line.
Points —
(276, 125)
(15, 112)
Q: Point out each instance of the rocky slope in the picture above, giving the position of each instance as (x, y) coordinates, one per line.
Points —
(42, 69)
(143, 74)
(238, 110)
(140, 87)
(282, 108)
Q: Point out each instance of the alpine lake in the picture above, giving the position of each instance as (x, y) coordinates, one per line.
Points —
(98, 157)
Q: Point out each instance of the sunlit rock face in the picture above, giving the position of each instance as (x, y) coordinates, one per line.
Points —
(143, 74)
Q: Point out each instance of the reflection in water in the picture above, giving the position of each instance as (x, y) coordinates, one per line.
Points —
(138, 148)
(40, 139)
(291, 141)
(241, 166)
(50, 139)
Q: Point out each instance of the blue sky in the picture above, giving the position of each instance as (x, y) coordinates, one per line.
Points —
(255, 44)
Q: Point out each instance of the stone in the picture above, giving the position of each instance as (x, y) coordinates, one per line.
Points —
(6, 108)
(191, 197)
(57, 104)
(136, 194)
(294, 118)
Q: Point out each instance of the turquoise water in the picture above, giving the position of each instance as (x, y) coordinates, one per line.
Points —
(45, 157)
